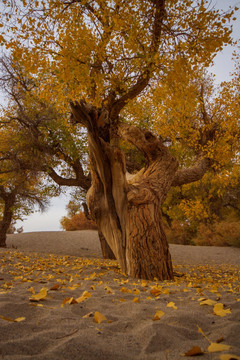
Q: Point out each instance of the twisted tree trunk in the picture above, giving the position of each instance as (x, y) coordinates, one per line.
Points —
(128, 210)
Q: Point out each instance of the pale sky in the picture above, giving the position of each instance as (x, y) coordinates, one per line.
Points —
(223, 66)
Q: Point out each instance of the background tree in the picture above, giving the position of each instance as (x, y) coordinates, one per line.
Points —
(20, 189)
(98, 57)
(47, 143)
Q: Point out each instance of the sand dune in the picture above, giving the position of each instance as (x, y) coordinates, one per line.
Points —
(69, 266)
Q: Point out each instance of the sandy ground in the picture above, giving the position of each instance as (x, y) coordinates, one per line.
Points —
(53, 285)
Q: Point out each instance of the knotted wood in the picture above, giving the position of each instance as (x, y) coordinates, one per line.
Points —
(128, 210)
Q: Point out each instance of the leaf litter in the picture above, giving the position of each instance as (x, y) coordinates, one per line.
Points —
(64, 276)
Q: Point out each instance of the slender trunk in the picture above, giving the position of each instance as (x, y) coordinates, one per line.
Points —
(107, 252)
(3, 237)
(6, 221)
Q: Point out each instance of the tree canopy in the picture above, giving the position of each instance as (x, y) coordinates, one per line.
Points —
(107, 51)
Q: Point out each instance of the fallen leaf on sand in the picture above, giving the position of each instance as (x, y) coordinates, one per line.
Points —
(229, 357)
(12, 320)
(55, 287)
(136, 300)
(195, 351)
(214, 347)
(40, 296)
(156, 291)
(20, 319)
(73, 287)
(85, 295)
(220, 311)
(201, 332)
(108, 290)
(136, 292)
(31, 290)
(69, 301)
(208, 302)
(172, 305)
(158, 315)
(88, 315)
(166, 291)
(125, 290)
(98, 317)
(6, 318)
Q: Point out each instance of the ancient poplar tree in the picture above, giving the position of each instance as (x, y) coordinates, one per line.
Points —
(95, 58)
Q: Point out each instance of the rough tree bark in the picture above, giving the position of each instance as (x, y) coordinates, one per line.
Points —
(9, 200)
(128, 211)
(107, 252)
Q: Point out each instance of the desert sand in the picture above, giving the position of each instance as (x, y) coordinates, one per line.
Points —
(60, 300)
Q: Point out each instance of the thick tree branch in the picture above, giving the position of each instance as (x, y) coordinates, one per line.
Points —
(191, 174)
(84, 182)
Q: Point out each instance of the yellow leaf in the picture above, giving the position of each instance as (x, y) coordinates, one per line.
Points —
(69, 301)
(219, 310)
(136, 300)
(6, 318)
(196, 350)
(158, 315)
(98, 317)
(84, 296)
(229, 357)
(155, 291)
(31, 289)
(144, 283)
(20, 319)
(88, 315)
(214, 347)
(73, 287)
(55, 287)
(125, 290)
(109, 290)
(92, 276)
(208, 302)
(201, 332)
(39, 305)
(166, 291)
(136, 292)
(172, 305)
(40, 296)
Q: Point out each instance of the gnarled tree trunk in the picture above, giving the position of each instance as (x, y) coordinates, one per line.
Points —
(128, 210)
